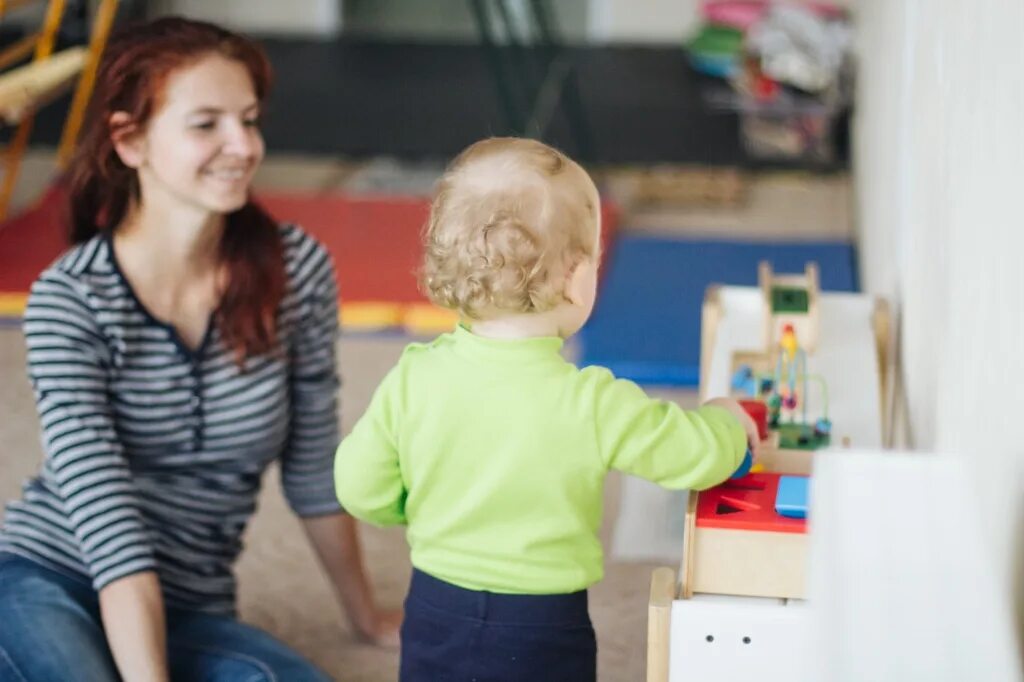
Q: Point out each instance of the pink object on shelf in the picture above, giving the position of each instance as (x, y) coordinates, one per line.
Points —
(742, 14)
(739, 14)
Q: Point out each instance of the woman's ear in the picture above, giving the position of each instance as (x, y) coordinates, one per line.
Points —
(127, 139)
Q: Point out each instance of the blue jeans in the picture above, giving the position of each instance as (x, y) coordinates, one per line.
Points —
(50, 629)
(451, 634)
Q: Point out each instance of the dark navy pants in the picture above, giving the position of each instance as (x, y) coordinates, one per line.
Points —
(451, 634)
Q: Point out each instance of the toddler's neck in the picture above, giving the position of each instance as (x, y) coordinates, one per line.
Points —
(521, 326)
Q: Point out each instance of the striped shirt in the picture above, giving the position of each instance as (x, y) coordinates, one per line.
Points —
(154, 451)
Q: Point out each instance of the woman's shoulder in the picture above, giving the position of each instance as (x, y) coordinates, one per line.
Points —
(78, 268)
(308, 267)
(80, 260)
(304, 255)
(73, 284)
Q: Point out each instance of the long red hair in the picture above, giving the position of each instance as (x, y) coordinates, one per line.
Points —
(131, 78)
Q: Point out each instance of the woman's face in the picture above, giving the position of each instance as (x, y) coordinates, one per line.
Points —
(202, 146)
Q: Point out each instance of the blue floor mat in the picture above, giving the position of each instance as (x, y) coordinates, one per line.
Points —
(646, 326)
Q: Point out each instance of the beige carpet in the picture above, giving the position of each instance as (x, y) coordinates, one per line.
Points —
(282, 589)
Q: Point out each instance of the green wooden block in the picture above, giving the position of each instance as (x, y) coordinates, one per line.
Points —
(790, 300)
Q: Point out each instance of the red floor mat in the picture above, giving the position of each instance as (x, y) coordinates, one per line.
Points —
(375, 242)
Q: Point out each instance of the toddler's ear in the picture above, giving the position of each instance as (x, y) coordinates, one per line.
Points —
(578, 282)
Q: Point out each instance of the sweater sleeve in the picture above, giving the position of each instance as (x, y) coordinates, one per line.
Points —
(68, 367)
(659, 441)
(313, 435)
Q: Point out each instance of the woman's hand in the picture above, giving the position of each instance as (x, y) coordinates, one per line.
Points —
(381, 628)
(132, 610)
(336, 541)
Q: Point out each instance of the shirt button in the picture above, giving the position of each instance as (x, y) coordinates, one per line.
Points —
(194, 402)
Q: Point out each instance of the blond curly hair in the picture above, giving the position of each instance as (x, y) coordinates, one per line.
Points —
(511, 217)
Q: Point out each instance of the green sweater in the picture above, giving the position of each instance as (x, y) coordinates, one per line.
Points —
(494, 453)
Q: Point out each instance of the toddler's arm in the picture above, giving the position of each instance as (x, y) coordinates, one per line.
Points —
(367, 476)
(659, 441)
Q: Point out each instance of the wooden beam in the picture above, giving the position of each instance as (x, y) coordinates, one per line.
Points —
(8, 6)
(44, 48)
(710, 313)
(659, 623)
(689, 546)
(24, 88)
(105, 15)
(20, 49)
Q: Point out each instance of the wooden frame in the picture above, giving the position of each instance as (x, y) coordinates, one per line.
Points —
(710, 314)
(806, 325)
(715, 560)
(659, 623)
(881, 321)
(25, 88)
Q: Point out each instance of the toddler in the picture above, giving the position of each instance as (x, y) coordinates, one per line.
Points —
(493, 450)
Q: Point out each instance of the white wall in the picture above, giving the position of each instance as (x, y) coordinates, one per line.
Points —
(939, 164)
(453, 21)
(447, 21)
(644, 21)
(270, 17)
(599, 21)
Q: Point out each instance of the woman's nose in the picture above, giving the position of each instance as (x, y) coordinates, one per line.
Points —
(242, 140)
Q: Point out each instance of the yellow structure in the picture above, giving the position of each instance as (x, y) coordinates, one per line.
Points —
(27, 87)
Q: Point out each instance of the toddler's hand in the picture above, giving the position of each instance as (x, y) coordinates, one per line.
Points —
(753, 437)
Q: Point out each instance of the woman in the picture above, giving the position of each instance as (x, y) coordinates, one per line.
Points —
(183, 344)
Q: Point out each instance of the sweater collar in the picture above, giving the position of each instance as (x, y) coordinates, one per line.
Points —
(507, 350)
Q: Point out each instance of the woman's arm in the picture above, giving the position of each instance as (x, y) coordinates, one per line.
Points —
(68, 365)
(307, 464)
(133, 618)
(335, 538)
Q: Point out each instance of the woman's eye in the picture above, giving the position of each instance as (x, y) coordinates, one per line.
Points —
(204, 125)
(252, 122)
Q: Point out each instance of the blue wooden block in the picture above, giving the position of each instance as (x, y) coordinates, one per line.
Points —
(745, 465)
(791, 497)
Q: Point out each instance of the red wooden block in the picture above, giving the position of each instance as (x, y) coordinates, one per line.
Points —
(758, 411)
(746, 503)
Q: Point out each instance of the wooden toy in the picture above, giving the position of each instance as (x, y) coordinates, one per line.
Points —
(736, 610)
(778, 372)
(736, 543)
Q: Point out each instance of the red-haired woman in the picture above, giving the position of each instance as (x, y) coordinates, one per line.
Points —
(184, 343)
